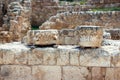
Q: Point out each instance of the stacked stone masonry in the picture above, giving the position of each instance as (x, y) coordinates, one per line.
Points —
(70, 20)
(104, 3)
(85, 36)
(62, 63)
(15, 22)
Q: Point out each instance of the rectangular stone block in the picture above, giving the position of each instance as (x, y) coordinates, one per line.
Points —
(63, 57)
(21, 57)
(98, 73)
(42, 37)
(74, 57)
(8, 57)
(16, 72)
(95, 57)
(115, 34)
(70, 41)
(50, 56)
(35, 56)
(46, 72)
(76, 73)
(90, 36)
(1, 57)
(67, 32)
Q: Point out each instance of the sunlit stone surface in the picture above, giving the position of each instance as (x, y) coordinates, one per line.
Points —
(42, 37)
(90, 36)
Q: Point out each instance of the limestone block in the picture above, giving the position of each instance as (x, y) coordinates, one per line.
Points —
(5, 37)
(70, 41)
(21, 57)
(46, 72)
(15, 72)
(74, 57)
(115, 60)
(76, 73)
(36, 56)
(67, 32)
(98, 73)
(61, 40)
(8, 57)
(110, 74)
(63, 57)
(1, 57)
(115, 34)
(90, 36)
(42, 37)
(50, 56)
(95, 57)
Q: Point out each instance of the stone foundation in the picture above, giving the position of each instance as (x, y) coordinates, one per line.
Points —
(62, 63)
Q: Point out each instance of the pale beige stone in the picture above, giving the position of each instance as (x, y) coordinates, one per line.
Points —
(46, 72)
(50, 56)
(15, 72)
(63, 57)
(70, 41)
(21, 57)
(42, 37)
(95, 57)
(5, 37)
(74, 57)
(8, 57)
(1, 57)
(35, 57)
(90, 36)
(110, 74)
(98, 73)
(76, 73)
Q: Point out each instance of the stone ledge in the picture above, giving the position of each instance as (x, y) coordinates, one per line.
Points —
(106, 56)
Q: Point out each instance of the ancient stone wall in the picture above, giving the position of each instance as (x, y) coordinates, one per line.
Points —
(104, 3)
(84, 36)
(70, 20)
(18, 62)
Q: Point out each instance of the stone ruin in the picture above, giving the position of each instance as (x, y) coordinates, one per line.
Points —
(16, 22)
(68, 46)
(84, 36)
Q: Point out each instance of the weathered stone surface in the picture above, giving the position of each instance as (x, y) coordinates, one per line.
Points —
(36, 56)
(90, 36)
(63, 57)
(21, 57)
(74, 57)
(115, 34)
(115, 60)
(8, 57)
(18, 22)
(5, 37)
(76, 73)
(112, 74)
(46, 72)
(69, 20)
(98, 73)
(50, 56)
(42, 37)
(95, 57)
(1, 57)
(15, 72)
